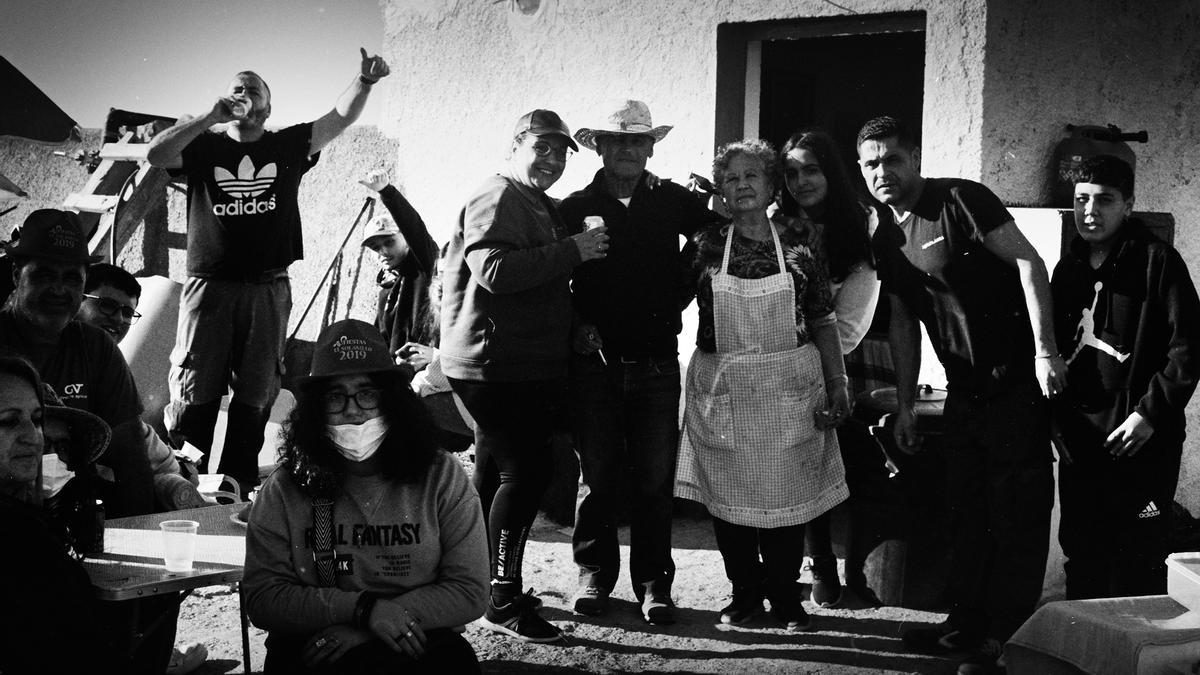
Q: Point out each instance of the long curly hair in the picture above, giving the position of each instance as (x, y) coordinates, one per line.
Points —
(845, 234)
(314, 463)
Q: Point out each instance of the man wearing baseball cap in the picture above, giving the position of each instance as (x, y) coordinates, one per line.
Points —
(624, 375)
(80, 361)
(407, 258)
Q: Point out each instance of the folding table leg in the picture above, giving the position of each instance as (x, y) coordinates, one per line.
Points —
(245, 629)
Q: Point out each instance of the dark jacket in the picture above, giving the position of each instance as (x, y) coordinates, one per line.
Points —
(402, 310)
(632, 295)
(1147, 314)
(506, 297)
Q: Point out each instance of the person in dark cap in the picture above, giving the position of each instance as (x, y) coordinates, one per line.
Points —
(506, 316)
(402, 565)
(79, 361)
(243, 232)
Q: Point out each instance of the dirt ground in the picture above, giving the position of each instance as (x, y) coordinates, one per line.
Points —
(844, 640)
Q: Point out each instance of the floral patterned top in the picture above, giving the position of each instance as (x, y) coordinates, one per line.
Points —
(753, 259)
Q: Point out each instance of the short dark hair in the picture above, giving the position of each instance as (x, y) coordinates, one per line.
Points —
(99, 274)
(886, 126)
(755, 148)
(1104, 170)
(254, 74)
(311, 458)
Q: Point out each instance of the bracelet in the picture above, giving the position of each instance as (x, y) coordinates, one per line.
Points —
(364, 80)
(843, 377)
(1047, 356)
(362, 609)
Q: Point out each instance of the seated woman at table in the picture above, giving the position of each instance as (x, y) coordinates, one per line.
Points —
(51, 617)
(366, 547)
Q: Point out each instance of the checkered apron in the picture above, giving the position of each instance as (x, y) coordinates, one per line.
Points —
(750, 450)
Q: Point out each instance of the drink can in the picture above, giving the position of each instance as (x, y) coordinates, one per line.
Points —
(592, 222)
(239, 108)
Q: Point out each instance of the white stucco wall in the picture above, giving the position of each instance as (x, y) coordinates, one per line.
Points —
(465, 70)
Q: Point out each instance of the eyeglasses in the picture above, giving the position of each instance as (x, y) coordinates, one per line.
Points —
(543, 149)
(335, 401)
(110, 307)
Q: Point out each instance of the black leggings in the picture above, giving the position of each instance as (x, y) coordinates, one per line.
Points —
(513, 464)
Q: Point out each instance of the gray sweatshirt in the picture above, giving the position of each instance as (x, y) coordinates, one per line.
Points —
(422, 543)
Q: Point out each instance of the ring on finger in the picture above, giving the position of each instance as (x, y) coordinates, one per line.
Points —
(408, 634)
(321, 643)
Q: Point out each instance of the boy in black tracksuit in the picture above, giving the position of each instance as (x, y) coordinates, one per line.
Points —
(1127, 314)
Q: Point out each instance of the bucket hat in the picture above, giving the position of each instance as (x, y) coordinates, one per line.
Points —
(625, 116)
(350, 347)
(543, 123)
(90, 435)
(55, 235)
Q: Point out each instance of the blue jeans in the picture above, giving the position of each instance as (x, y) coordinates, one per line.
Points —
(625, 417)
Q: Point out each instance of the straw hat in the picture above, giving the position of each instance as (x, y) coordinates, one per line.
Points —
(89, 434)
(626, 116)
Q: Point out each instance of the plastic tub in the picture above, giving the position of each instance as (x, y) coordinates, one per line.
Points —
(1183, 579)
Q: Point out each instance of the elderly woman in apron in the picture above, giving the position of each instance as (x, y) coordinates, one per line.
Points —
(765, 388)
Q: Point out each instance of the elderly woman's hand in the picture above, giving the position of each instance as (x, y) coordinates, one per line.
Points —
(329, 645)
(839, 404)
(592, 244)
(392, 623)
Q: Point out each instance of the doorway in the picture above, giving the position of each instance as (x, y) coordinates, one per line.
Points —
(775, 77)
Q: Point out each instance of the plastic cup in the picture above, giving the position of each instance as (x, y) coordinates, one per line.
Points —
(239, 108)
(179, 544)
(592, 222)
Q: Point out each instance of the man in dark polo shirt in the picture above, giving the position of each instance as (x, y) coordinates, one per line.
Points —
(243, 233)
(955, 261)
(625, 372)
(81, 362)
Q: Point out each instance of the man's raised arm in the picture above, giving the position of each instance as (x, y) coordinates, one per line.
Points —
(349, 104)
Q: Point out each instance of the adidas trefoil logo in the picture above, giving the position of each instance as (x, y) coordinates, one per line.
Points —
(1150, 511)
(244, 187)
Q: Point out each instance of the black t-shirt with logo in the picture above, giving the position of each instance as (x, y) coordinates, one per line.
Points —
(243, 215)
(85, 368)
(970, 301)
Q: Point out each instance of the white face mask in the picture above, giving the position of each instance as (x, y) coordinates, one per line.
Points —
(357, 442)
(55, 475)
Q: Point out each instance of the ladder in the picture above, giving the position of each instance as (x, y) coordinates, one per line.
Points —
(117, 196)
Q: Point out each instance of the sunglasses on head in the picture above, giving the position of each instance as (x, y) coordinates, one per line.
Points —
(110, 307)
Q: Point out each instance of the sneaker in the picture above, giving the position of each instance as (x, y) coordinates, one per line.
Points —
(590, 601)
(826, 588)
(742, 609)
(988, 660)
(940, 639)
(519, 620)
(183, 662)
(658, 609)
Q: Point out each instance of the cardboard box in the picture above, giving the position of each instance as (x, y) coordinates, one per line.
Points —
(1183, 579)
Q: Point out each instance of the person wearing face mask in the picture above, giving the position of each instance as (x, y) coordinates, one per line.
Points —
(49, 602)
(506, 319)
(393, 524)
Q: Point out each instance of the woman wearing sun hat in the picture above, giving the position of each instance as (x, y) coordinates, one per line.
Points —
(506, 314)
(366, 546)
(51, 621)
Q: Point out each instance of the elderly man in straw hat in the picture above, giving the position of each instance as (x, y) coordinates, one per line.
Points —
(625, 371)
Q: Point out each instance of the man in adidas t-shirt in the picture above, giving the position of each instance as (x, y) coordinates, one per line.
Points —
(1128, 319)
(243, 232)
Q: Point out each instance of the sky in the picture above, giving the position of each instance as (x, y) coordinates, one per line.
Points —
(170, 57)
